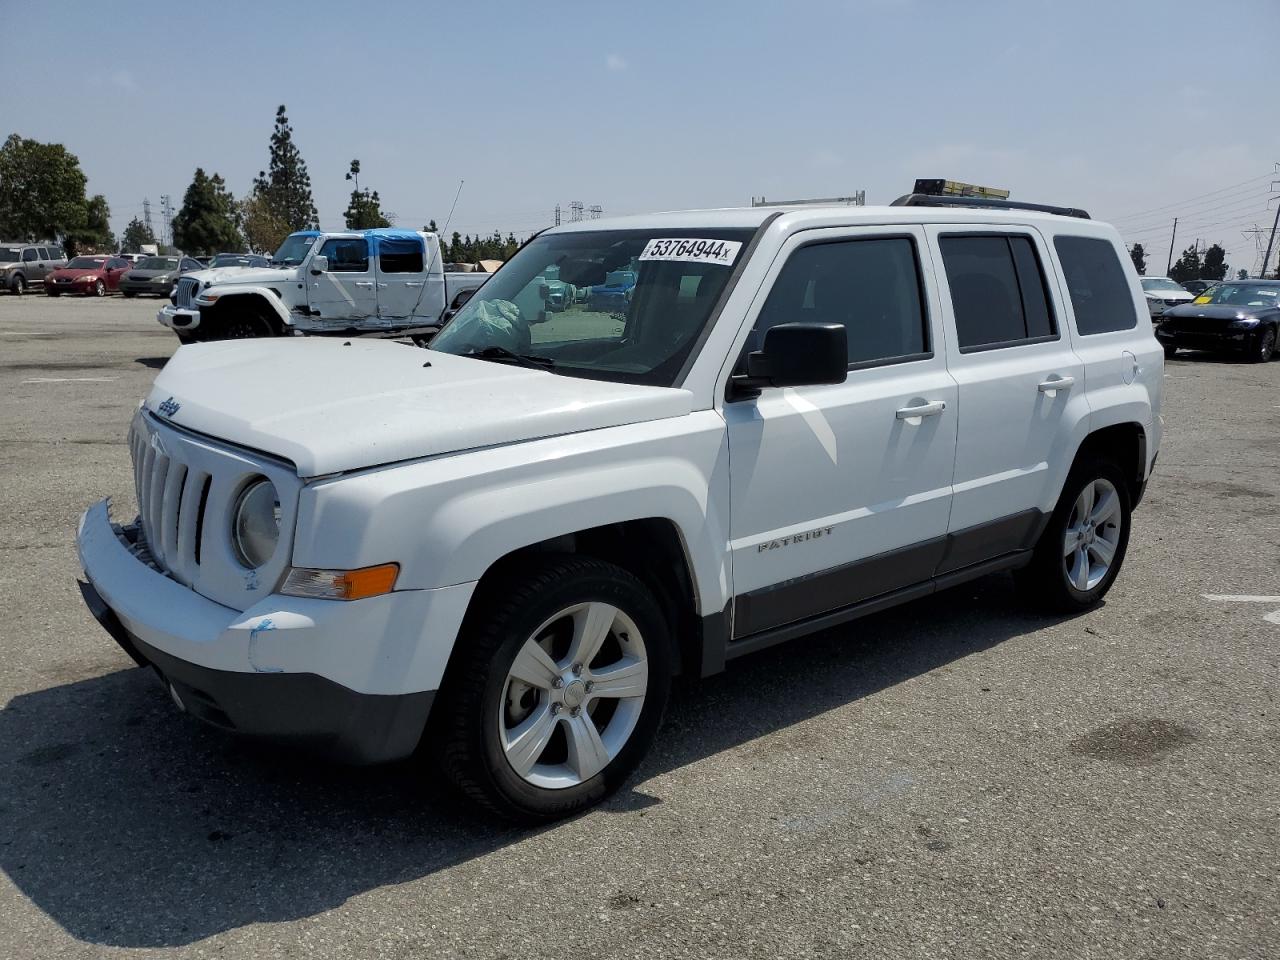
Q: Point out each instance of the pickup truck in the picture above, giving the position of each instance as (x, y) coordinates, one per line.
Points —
(503, 547)
(380, 282)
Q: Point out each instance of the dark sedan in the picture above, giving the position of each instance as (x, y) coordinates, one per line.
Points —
(157, 275)
(1239, 316)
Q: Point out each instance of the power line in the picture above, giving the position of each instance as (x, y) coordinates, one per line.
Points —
(1179, 203)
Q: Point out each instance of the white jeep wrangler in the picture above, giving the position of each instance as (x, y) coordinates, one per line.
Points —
(504, 547)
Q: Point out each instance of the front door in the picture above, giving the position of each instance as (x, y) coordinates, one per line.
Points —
(841, 493)
(346, 291)
(1021, 388)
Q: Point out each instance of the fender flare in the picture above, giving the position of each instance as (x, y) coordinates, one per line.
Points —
(266, 294)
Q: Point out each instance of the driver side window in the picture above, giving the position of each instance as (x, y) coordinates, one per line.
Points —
(347, 254)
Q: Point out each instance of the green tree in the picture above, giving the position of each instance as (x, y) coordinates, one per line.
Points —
(1188, 266)
(1242, 274)
(41, 190)
(455, 248)
(1139, 256)
(93, 233)
(364, 209)
(285, 186)
(263, 229)
(135, 235)
(209, 219)
(1214, 266)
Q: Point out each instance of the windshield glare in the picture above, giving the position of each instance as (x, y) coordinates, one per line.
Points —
(293, 250)
(86, 263)
(1160, 283)
(10, 254)
(624, 305)
(158, 263)
(1242, 295)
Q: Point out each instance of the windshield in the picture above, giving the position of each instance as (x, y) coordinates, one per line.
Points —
(1161, 283)
(86, 263)
(158, 263)
(10, 254)
(293, 250)
(1242, 294)
(234, 260)
(624, 305)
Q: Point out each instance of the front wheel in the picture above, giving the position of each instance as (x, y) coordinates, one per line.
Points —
(1265, 346)
(556, 688)
(99, 289)
(1081, 550)
(129, 294)
(18, 284)
(1170, 351)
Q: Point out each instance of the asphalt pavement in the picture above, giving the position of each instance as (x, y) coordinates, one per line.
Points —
(956, 778)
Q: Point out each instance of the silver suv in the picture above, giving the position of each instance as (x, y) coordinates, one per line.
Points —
(24, 265)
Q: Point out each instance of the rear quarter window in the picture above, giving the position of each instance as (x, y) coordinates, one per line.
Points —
(1100, 294)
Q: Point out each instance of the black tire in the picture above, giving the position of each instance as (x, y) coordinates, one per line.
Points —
(18, 284)
(465, 736)
(99, 289)
(1264, 347)
(240, 325)
(1170, 351)
(52, 292)
(1045, 580)
(129, 294)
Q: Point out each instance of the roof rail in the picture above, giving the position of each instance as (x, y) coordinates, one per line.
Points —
(932, 200)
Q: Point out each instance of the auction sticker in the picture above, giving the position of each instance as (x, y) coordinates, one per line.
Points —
(691, 250)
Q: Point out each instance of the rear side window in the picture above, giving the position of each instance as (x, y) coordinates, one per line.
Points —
(998, 290)
(1100, 293)
(55, 253)
(30, 255)
(871, 287)
(347, 254)
(400, 255)
(44, 254)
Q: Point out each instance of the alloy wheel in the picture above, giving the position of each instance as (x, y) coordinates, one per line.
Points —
(573, 695)
(1092, 536)
(99, 289)
(1267, 345)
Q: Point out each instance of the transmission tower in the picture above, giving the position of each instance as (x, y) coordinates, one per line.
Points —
(557, 214)
(575, 211)
(146, 215)
(594, 211)
(166, 209)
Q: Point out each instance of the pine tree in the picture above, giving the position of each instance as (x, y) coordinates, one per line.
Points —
(364, 210)
(209, 219)
(1139, 255)
(455, 248)
(1215, 263)
(135, 235)
(1188, 266)
(285, 185)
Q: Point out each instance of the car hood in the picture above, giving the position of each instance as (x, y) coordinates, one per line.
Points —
(73, 272)
(246, 275)
(329, 405)
(148, 274)
(1213, 311)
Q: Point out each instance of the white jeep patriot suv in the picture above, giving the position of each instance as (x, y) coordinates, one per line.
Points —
(502, 548)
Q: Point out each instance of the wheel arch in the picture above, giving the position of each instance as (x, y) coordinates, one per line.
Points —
(264, 301)
(1125, 444)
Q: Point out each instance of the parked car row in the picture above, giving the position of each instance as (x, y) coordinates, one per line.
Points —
(26, 266)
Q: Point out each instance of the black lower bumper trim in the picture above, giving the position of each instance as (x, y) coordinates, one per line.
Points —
(300, 709)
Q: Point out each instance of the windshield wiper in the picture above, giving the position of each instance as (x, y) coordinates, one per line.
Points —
(503, 355)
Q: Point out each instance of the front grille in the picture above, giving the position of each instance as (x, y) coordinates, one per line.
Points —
(186, 486)
(186, 292)
(172, 498)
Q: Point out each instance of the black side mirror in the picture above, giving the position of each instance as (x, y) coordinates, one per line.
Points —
(796, 355)
(463, 297)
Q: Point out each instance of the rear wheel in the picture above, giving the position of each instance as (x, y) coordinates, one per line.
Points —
(1265, 346)
(1081, 550)
(556, 688)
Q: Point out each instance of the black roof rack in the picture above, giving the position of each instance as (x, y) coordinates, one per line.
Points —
(933, 200)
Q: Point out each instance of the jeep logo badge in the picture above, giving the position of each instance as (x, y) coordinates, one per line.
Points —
(169, 407)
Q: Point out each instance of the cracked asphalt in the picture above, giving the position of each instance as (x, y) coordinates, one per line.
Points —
(957, 778)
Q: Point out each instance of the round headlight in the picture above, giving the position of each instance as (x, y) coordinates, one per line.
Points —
(255, 523)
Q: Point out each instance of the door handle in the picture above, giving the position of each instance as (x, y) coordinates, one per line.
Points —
(413, 283)
(382, 285)
(365, 284)
(1056, 383)
(931, 409)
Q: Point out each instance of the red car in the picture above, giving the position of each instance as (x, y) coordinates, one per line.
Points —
(95, 274)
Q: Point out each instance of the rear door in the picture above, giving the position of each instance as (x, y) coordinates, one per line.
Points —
(346, 291)
(1021, 388)
(404, 288)
(841, 493)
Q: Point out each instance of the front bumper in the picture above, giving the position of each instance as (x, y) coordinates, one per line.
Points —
(1224, 339)
(353, 680)
(146, 287)
(179, 319)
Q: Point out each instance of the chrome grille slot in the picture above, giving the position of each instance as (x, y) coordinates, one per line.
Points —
(186, 291)
(170, 515)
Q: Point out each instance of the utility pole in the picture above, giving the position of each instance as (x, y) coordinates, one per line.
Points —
(166, 208)
(1262, 274)
(1171, 239)
(557, 214)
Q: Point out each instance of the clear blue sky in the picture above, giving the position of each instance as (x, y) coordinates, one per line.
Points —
(1120, 107)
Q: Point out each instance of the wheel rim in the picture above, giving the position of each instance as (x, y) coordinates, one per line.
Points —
(573, 695)
(20, 285)
(1268, 345)
(1093, 535)
(99, 289)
